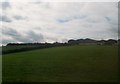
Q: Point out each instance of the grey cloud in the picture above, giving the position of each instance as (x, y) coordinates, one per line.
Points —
(67, 19)
(5, 5)
(6, 41)
(119, 4)
(10, 32)
(110, 21)
(17, 17)
(107, 18)
(114, 30)
(34, 36)
(37, 2)
(51, 38)
(29, 36)
(5, 19)
(63, 20)
(118, 31)
(42, 4)
(21, 39)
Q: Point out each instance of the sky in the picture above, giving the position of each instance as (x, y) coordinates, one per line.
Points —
(43, 21)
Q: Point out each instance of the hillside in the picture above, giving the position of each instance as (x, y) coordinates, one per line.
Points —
(63, 64)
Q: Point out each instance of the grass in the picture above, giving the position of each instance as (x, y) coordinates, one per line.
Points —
(63, 64)
(0, 68)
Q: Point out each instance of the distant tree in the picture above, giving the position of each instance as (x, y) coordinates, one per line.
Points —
(111, 42)
(73, 42)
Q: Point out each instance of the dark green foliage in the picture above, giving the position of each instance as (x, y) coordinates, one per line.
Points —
(15, 47)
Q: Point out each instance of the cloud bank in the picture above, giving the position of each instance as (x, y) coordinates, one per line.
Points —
(54, 21)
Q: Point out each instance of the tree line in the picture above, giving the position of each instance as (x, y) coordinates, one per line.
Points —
(20, 47)
(71, 42)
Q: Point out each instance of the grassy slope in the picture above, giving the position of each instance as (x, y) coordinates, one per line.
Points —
(0, 68)
(63, 64)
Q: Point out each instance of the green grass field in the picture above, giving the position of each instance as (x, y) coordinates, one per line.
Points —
(62, 64)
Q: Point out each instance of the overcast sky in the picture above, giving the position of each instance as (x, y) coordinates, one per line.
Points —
(58, 21)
